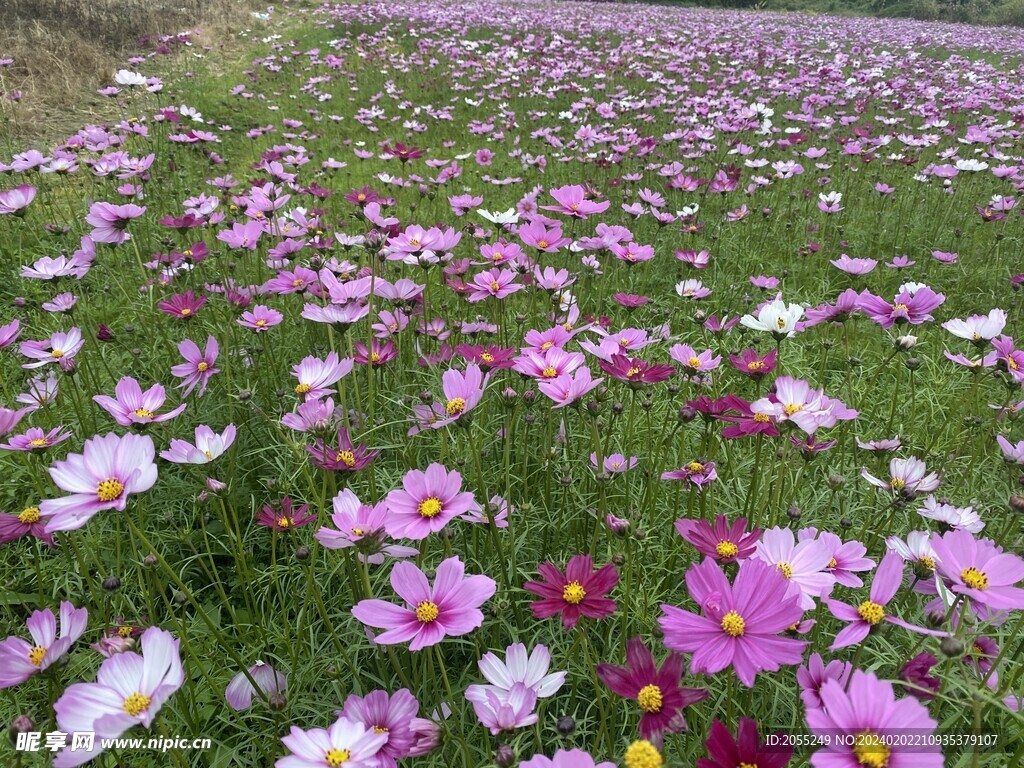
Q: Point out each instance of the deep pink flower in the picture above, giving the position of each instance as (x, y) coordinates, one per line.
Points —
(657, 690)
(745, 751)
(426, 502)
(130, 406)
(720, 541)
(636, 372)
(580, 591)
(979, 570)
(347, 457)
(572, 202)
(110, 222)
(198, 366)
(389, 714)
(260, 318)
(20, 659)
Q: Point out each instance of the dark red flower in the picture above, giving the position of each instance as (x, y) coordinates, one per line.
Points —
(743, 751)
(580, 591)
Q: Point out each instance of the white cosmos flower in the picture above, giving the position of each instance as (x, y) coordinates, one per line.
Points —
(775, 318)
(129, 78)
(511, 216)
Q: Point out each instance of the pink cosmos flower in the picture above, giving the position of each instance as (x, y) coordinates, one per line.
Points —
(450, 607)
(260, 318)
(241, 235)
(860, 721)
(507, 712)
(699, 472)
(905, 476)
(60, 348)
(689, 358)
(546, 238)
(978, 328)
(391, 715)
(847, 557)
(871, 612)
(131, 406)
(615, 463)
(567, 388)
(803, 564)
(9, 333)
(283, 517)
(720, 541)
(344, 743)
(109, 469)
(28, 522)
(182, 305)
(572, 202)
(572, 758)
(739, 624)
(656, 690)
(362, 527)
(979, 570)
(426, 502)
(816, 673)
(208, 446)
(636, 372)
(580, 591)
(35, 439)
(240, 690)
(130, 690)
(912, 307)
(494, 283)
(463, 392)
(316, 375)
(347, 457)
(854, 266)
(197, 370)
(110, 222)
(20, 660)
(15, 201)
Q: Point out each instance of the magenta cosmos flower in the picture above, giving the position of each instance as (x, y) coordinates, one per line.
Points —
(862, 722)
(261, 318)
(426, 502)
(636, 372)
(345, 743)
(131, 406)
(699, 472)
(739, 623)
(28, 522)
(815, 675)
(347, 457)
(721, 540)
(109, 469)
(110, 222)
(20, 659)
(580, 591)
(908, 307)
(391, 715)
(656, 690)
(572, 758)
(197, 370)
(493, 283)
(871, 612)
(182, 305)
(572, 202)
(281, 516)
(35, 439)
(745, 751)
(979, 570)
(129, 690)
(450, 607)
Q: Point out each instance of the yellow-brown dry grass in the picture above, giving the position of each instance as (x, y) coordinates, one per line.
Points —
(64, 50)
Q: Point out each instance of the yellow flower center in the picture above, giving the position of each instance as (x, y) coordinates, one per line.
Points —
(202, 367)
(547, 345)
(974, 578)
(260, 323)
(494, 285)
(792, 408)
(726, 549)
(379, 729)
(927, 562)
(542, 243)
(694, 362)
(455, 406)
(296, 282)
(285, 522)
(346, 457)
(186, 311)
(747, 765)
(336, 757)
(487, 357)
(374, 357)
(762, 418)
(427, 611)
(833, 563)
(781, 323)
(695, 467)
(756, 365)
(125, 631)
(39, 442)
(897, 483)
(35, 656)
(57, 354)
(871, 612)
(870, 750)
(136, 704)
(650, 699)
(358, 531)
(109, 489)
(786, 569)
(29, 515)
(430, 507)
(733, 624)
(900, 307)
(633, 372)
(143, 413)
(573, 593)
(549, 372)
(642, 754)
(302, 389)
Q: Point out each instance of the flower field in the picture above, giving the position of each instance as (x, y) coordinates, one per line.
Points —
(451, 383)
